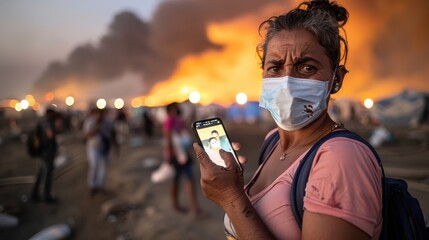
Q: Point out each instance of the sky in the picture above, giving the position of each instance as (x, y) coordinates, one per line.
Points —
(162, 50)
(35, 33)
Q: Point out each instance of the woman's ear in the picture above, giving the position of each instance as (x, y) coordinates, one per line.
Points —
(338, 79)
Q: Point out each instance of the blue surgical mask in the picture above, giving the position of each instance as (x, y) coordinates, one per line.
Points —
(294, 102)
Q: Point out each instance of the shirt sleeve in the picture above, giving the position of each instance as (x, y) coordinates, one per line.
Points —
(345, 182)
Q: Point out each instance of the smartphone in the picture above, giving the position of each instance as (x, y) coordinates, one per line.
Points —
(212, 136)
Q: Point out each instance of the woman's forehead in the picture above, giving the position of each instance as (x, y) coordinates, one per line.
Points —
(295, 44)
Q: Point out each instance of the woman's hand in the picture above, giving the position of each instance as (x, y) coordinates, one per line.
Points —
(219, 184)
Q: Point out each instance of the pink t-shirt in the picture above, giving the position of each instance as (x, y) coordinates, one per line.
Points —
(344, 182)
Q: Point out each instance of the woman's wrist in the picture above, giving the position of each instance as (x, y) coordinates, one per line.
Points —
(235, 201)
(244, 217)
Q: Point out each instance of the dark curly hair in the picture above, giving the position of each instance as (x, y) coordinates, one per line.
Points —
(322, 18)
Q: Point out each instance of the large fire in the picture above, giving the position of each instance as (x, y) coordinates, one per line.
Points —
(218, 75)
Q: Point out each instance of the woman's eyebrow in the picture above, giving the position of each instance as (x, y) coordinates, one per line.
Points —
(276, 62)
(300, 60)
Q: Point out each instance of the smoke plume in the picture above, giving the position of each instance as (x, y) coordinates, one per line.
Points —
(151, 49)
(388, 44)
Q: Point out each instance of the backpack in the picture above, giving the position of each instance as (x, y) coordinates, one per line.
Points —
(402, 215)
(34, 142)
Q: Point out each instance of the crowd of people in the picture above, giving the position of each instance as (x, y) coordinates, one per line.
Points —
(103, 132)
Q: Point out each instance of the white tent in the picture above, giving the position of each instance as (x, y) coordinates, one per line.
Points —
(406, 108)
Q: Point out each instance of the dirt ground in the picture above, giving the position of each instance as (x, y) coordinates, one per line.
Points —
(142, 209)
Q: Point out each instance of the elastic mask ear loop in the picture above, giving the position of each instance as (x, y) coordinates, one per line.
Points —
(333, 81)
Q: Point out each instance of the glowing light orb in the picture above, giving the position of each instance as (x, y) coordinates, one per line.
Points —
(194, 97)
(49, 96)
(136, 102)
(368, 103)
(18, 107)
(241, 98)
(36, 107)
(24, 104)
(30, 100)
(119, 103)
(69, 101)
(101, 103)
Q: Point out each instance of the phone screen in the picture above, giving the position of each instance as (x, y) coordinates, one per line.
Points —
(212, 136)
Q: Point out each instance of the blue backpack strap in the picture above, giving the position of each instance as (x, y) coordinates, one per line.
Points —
(303, 171)
(268, 145)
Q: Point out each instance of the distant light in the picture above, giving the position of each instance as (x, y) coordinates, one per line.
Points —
(136, 102)
(30, 100)
(119, 103)
(241, 98)
(194, 97)
(101, 103)
(18, 107)
(24, 104)
(69, 101)
(36, 106)
(12, 103)
(49, 96)
(368, 103)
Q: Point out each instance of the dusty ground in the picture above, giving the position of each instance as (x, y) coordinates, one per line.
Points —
(144, 208)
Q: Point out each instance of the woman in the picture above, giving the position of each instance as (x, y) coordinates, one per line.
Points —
(175, 125)
(303, 63)
(100, 138)
(213, 151)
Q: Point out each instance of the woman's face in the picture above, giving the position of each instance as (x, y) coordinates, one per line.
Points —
(214, 144)
(298, 54)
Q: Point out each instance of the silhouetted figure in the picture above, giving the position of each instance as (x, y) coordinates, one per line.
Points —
(100, 138)
(49, 126)
(148, 124)
(121, 126)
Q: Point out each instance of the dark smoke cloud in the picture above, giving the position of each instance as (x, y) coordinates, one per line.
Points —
(125, 47)
(153, 49)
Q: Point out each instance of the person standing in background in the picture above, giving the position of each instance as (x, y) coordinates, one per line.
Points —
(121, 126)
(174, 127)
(148, 124)
(100, 138)
(48, 128)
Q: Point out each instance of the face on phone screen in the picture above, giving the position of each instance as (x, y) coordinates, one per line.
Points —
(213, 137)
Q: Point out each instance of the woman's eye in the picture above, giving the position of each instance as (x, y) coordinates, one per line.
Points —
(307, 69)
(273, 69)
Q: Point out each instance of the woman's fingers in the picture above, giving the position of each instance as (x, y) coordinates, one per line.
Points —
(202, 156)
(230, 161)
(242, 159)
(236, 146)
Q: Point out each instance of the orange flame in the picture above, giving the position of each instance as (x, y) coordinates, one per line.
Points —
(218, 75)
